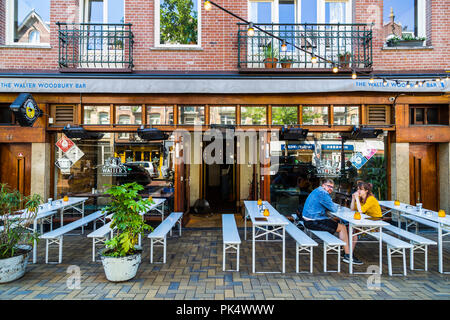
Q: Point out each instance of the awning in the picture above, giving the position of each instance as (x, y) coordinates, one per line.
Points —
(211, 86)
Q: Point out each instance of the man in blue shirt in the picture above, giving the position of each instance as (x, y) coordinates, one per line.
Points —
(315, 217)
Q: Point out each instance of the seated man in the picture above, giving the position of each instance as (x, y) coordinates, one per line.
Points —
(315, 217)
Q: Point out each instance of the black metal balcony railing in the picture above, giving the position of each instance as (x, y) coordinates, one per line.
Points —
(349, 45)
(84, 46)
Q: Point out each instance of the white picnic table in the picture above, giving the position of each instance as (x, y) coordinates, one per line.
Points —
(274, 224)
(443, 224)
(47, 209)
(361, 226)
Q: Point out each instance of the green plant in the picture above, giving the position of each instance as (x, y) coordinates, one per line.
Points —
(270, 52)
(126, 205)
(375, 172)
(395, 39)
(344, 54)
(286, 59)
(15, 230)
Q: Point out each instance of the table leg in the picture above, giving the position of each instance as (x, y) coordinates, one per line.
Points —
(34, 242)
(284, 249)
(380, 251)
(82, 216)
(253, 248)
(441, 268)
(350, 244)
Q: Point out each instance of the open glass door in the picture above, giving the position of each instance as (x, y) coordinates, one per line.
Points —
(104, 41)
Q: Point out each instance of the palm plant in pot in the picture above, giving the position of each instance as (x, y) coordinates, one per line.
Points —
(121, 257)
(16, 239)
(270, 53)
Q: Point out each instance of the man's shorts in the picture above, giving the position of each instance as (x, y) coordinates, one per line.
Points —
(328, 225)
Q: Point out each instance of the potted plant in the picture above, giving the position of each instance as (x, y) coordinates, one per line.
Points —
(15, 238)
(286, 62)
(405, 41)
(270, 53)
(344, 59)
(121, 257)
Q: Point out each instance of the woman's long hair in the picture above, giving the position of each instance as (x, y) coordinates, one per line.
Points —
(365, 186)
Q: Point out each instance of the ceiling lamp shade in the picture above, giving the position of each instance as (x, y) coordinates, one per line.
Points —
(293, 133)
(152, 134)
(76, 132)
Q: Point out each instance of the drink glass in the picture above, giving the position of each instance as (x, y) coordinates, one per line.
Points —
(419, 206)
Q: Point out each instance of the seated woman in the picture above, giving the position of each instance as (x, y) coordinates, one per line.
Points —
(364, 196)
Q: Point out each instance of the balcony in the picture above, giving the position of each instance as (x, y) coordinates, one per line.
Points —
(349, 45)
(93, 47)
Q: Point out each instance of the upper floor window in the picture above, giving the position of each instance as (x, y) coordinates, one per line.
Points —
(404, 22)
(177, 23)
(28, 22)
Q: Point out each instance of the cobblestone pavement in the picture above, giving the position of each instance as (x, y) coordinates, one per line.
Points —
(194, 271)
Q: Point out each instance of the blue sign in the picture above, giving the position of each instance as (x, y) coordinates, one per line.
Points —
(347, 147)
(358, 160)
(303, 146)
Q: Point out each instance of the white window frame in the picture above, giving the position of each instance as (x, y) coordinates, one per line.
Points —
(157, 19)
(84, 11)
(9, 28)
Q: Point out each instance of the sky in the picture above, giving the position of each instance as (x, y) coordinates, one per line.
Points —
(42, 7)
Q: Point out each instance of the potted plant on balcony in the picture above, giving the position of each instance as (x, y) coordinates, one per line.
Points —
(121, 257)
(286, 62)
(270, 53)
(15, 238)
(344, 59)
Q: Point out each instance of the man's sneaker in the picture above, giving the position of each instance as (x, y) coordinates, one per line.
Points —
(346, 259)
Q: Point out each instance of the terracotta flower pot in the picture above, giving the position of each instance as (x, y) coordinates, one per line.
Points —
(271, 63)
(286, 64)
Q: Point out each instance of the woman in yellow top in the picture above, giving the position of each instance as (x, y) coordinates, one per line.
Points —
(364, 196)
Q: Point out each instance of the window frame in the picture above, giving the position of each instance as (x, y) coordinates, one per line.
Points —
(425, 115)
(9, 28)
(83, 110)
(421, 21)
(157, 27)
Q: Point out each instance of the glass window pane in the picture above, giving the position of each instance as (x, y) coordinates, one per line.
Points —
(315, 115)
(346, 115)
(178, 22)
(309, 11)
(261, 11)
(404, 15)
(253, 115)
(115, 11)
(31, 16)
(95, 11)
(132, 113)
(111, 161)
(96, 115)
(160, 115)
(419, 115)
(302, 166)
(222, 115)
(5, 114)
(191, 115)
(335, 12)
(284, 115)
(432, 116)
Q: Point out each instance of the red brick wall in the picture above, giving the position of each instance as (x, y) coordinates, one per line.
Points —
(219, 39)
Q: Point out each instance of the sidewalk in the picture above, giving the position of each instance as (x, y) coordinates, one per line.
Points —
(194, 271)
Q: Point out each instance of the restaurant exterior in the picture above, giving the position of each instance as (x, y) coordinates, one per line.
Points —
(96, 89)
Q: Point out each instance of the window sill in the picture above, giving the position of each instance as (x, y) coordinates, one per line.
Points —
(196, 48)
(27, 46)
(407, 48)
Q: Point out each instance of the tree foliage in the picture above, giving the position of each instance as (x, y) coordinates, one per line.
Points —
(178, 22)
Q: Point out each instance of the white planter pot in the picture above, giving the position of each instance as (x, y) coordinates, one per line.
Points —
(121, 268)
(14, 268)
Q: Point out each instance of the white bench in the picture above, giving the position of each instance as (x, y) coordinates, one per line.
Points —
(100, 236)
(56, 236)
(419, 243)
(303, 245)
(158, 236)
(416, 220)
(394, 245)
(330, 244)
(231, 239)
